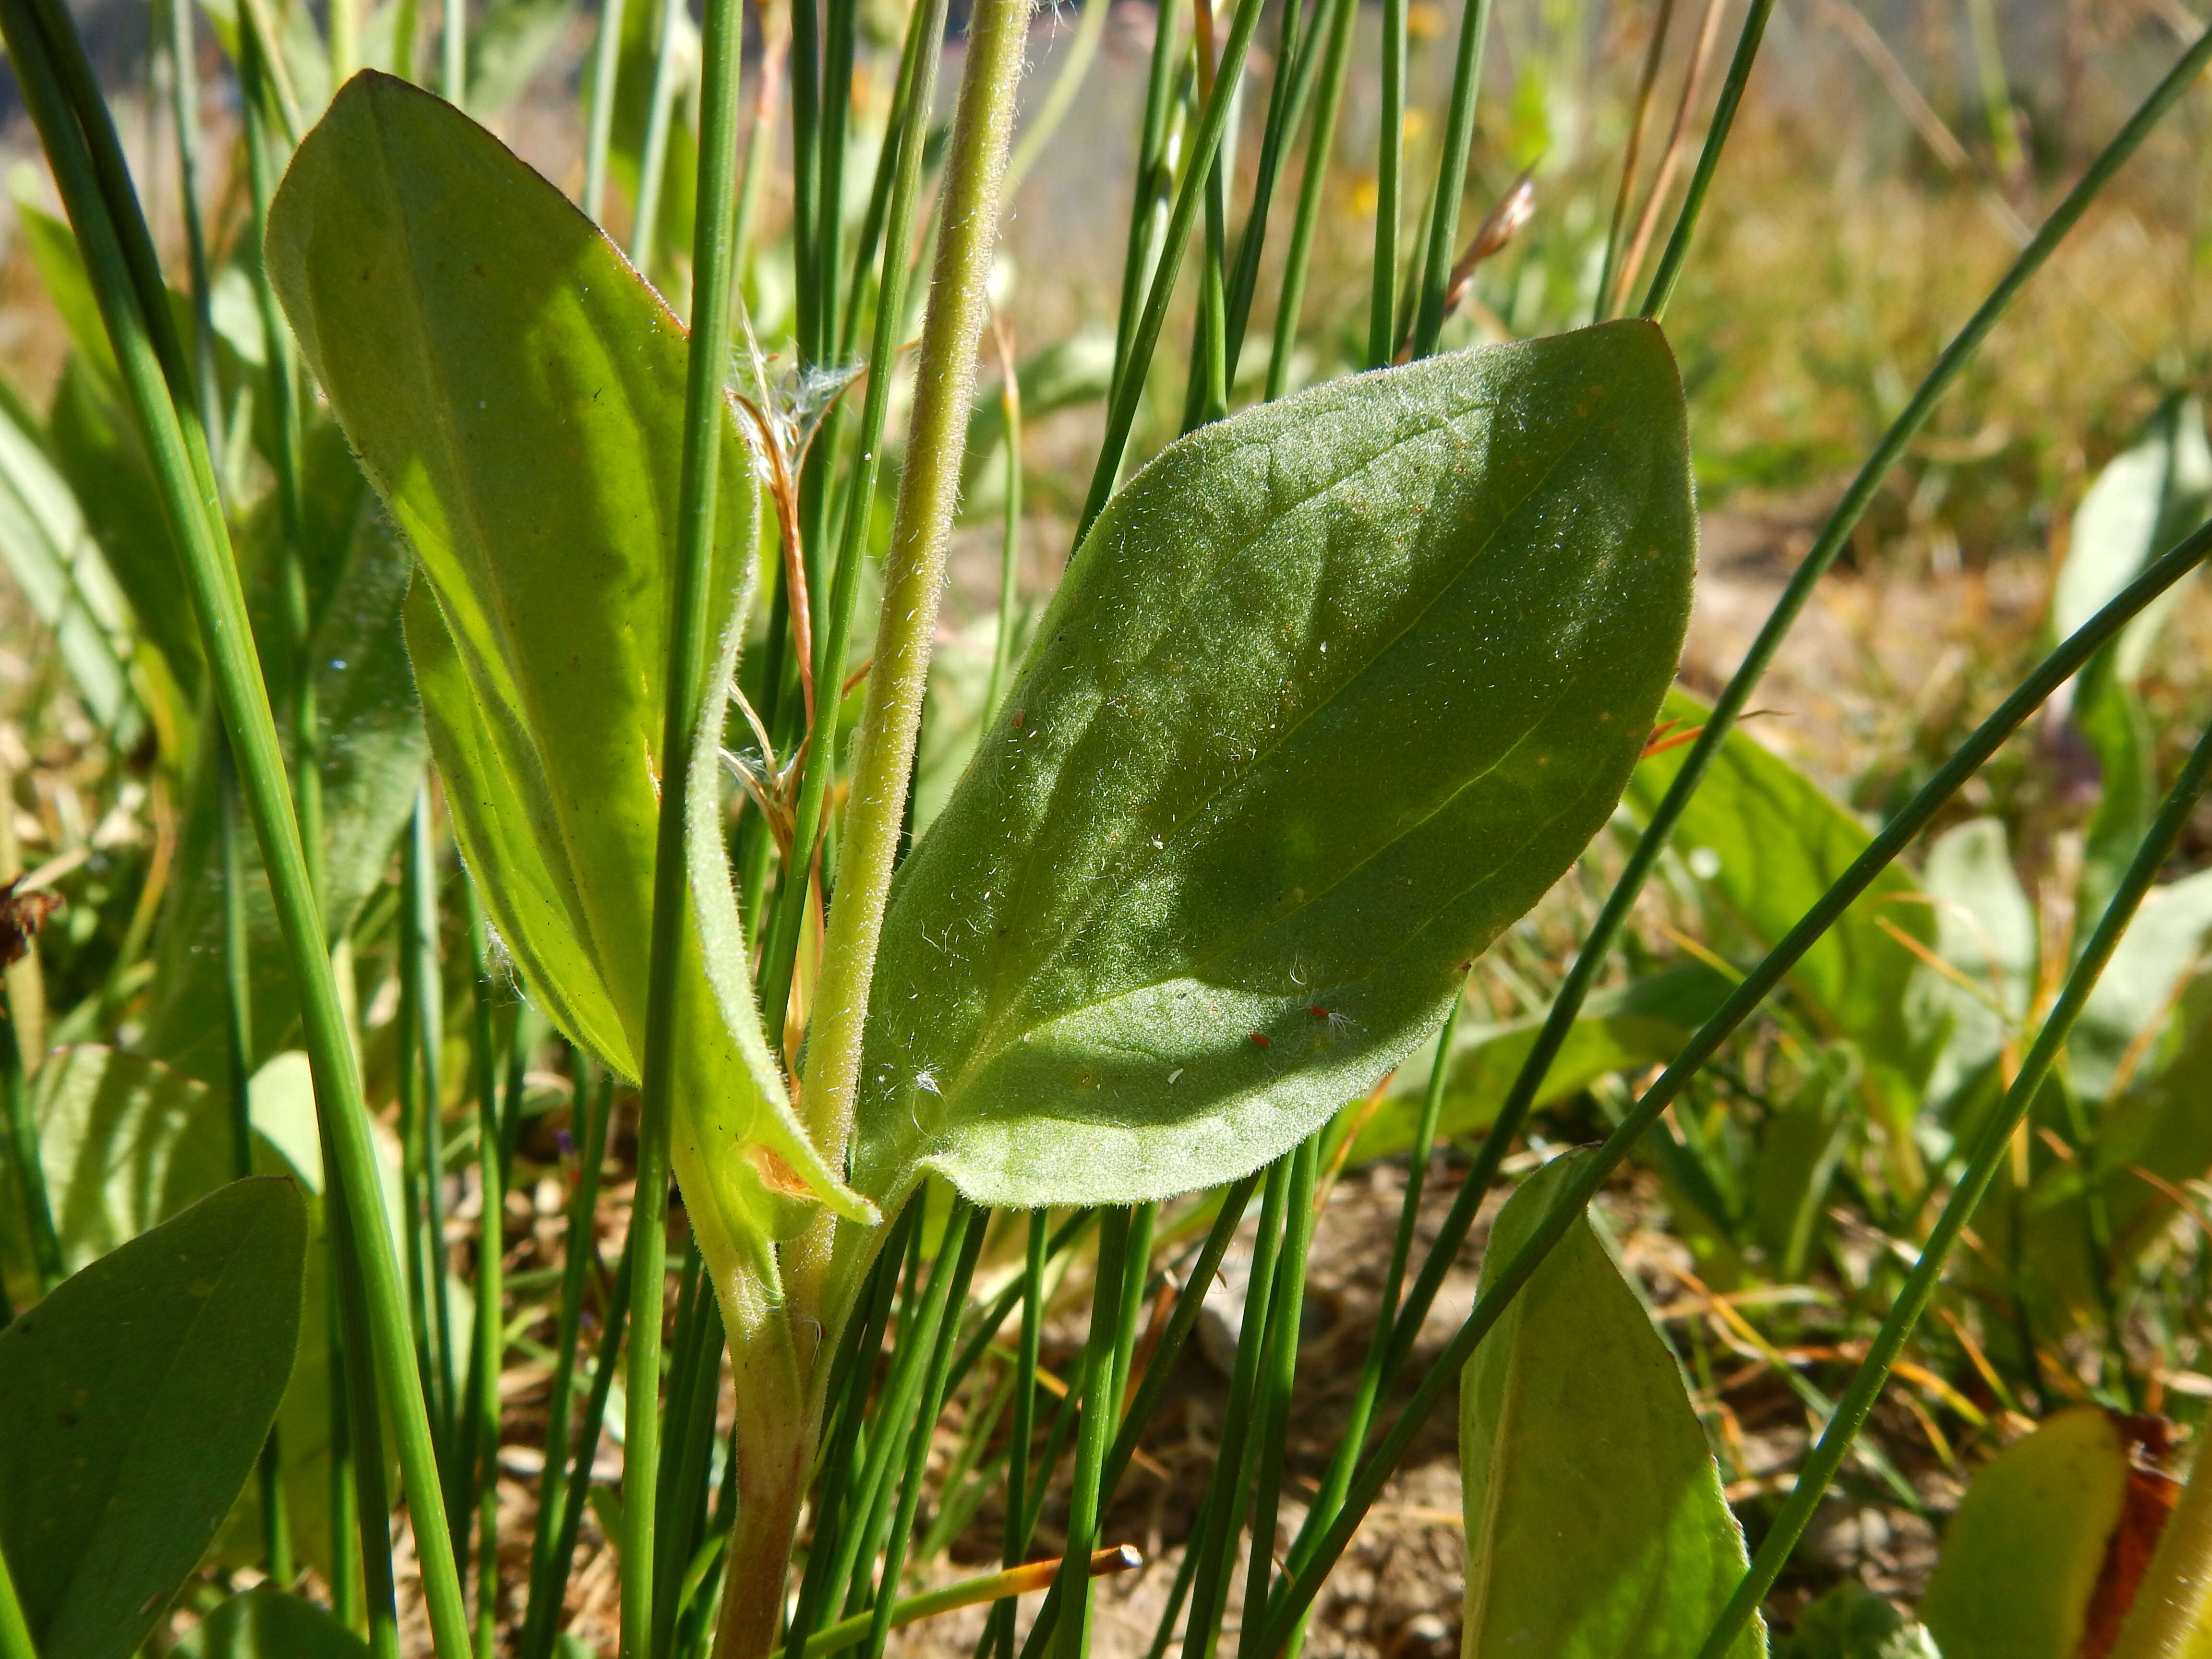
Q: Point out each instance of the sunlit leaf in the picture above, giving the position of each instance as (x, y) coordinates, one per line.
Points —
(1766, 843)
(1332, 693)
(516, 395)
(1596, 1527)
(138, 1396)
(2021, 1556)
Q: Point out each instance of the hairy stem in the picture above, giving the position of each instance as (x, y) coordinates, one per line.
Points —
(913, 570)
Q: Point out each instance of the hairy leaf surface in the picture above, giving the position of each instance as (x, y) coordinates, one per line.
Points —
(138, 1394)
(1596, 1527)
(1332, 693)
(516, 395)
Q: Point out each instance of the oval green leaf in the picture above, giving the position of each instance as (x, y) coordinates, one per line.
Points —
(1332, 692)
(139, 1393)
(515, 393)
(1595, 1526)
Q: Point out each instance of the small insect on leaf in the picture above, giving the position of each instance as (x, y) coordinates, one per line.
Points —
(1259, 1041)
(22, 915)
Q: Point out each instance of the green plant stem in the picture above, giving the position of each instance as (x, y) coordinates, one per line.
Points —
(185, 116)
(1963, 762)
(1451, 178)
(1217, 1544)
(1912, 1298)
(1000, 1587)
(1390, 168)
(1067, 87)
(1206, 146)
(833, 116)
(1097, 1427)
(1597, 945)
(1009, 542)
(578, 1252)
(913, 568)
(1343, 1459)
(1235, 1200)
(572, 1502)
(599, 124)
(660, 121)
(30, 1169)
(423, 1000)
(948, 1294)
(453, 52)
(1677, 253)
(370, 1507)
(1286, 1308)
(917, 95)
(851, 1372)
(238, 1030)
(345, 40)
(1015, 1549)
(1298, 62)
(1155, 181)
(476, 1467)
(1291, 296)
(80, 143)
(1640, 113)
(713, 257)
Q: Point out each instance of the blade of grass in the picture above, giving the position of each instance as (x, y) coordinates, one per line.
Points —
(1911, 1301)
(940, 1324)
(1205, 145)
(30, 1171)
(1291, 295)
(573, 1499)
(1709, 160)
(851, 1373)
(917, 95)
(1286, 1308)
(80, 142)
(913, 569)
(453, 52)
(1389, 186)
(713, 270)
(1015, 1549)
(659, 120)
(1694, 78)
(1639, 112)
(423, 996)
(1451, 178)
(1154, 181)
(1894, 836)
(1096, 1426)
(599, 120)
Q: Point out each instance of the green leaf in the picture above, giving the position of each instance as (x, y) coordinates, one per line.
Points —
(1985, 930)
(128, 1142)
(1798, 1151)
(96, 446)
(266, 1624)
(1596, 1527)
(2021, 1556)
(2147, 498)
(138, 1396)
(370, 758)
(1332, 693)
(1641, 1024)
(1851, 1622)
(516, 394)
(1766, 843)
(50, 552)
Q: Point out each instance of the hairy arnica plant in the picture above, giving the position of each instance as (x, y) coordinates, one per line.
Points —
(543, 813)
